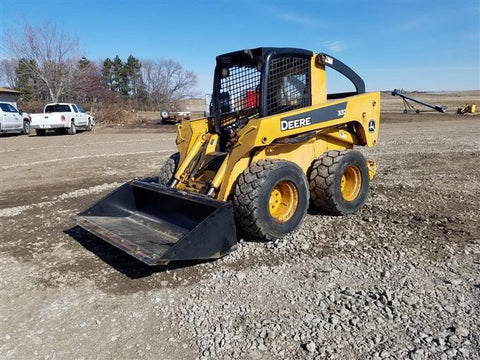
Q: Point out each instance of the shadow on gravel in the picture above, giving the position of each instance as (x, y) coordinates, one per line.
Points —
(7, 135)
(121, 261)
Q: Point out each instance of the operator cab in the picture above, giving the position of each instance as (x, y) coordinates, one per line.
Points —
(256, 83)
(261, 82)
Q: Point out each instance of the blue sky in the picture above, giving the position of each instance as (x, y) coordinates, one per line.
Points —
(410, 44)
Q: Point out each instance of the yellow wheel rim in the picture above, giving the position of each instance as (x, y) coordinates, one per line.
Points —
(283, 201)
(351, 183)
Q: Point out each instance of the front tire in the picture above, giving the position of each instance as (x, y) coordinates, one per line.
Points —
(339, 182)
(89, 126)
(270, 199)
(168, 169)
(26, 127)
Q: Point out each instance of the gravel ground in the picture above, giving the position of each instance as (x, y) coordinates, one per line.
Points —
(399, 280)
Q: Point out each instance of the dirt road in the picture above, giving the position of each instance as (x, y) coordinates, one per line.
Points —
(401, 279)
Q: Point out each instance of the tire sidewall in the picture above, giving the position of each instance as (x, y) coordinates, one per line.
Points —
(283, 172)
(73, 129)
(167, 170)
(26, 127)
(357, 159)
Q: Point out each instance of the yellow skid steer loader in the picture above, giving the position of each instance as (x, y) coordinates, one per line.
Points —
(274, 141)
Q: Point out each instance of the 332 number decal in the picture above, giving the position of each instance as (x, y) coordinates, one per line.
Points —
(342, 112)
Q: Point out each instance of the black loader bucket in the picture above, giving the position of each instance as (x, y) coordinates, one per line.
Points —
(156, 224)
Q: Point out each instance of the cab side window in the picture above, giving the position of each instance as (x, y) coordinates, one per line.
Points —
(8, 108)
(12, 109)
(288, 85)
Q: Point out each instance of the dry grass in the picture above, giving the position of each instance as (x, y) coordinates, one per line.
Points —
(112, 113)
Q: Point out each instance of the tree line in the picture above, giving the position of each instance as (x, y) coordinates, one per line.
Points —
(44, 66)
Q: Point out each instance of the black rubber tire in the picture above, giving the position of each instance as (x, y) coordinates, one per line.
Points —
(252, 195)
(26, 127)
(41, 132)
(89, 125)
(72, 130)
(168, 169)
(326, 178)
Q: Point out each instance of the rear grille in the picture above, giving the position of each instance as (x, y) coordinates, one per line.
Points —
(288, 85)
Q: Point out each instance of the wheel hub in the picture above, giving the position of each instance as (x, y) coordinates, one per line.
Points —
(351, 183)
(283, 201)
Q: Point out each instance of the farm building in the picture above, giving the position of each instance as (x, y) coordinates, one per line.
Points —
(9, 96)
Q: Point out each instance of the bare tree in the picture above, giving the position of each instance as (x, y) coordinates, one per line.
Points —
(7, 72)
(52, 53)
(88, 85)
(167, 82)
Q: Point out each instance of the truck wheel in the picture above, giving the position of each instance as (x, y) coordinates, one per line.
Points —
(40, 132)
(72, 130)
(168, 169)
(89, 126)
(26, 127)
(270, 199)
(339, 182)
(165, 114)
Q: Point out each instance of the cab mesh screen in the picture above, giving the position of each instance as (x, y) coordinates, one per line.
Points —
(288, 85)
(239, 91)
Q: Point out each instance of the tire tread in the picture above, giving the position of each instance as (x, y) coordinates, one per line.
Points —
(322, 182)
(247, 191)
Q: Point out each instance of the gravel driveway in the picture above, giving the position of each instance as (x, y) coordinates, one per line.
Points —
(399, 280)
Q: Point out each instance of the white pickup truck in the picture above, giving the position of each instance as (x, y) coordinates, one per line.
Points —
(13, 120)
(66, 117)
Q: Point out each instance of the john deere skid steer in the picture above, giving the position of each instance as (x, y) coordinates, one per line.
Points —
(275, 141)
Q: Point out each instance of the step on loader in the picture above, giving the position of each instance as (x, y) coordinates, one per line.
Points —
(275, 141)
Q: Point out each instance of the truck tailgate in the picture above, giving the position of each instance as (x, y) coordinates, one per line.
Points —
(47, 121)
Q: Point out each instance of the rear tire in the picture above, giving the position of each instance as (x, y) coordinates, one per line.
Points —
(270, 199)
(40, 132)
(168, 169)
(72, 130)
(339, 182)
(26, 127)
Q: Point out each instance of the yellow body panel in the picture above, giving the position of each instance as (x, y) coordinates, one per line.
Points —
(319, 83)
(188, 132)
(360, 108)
